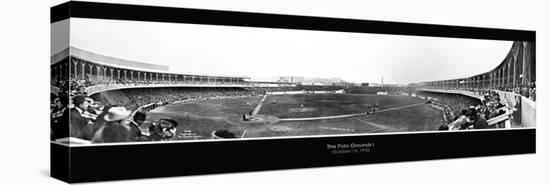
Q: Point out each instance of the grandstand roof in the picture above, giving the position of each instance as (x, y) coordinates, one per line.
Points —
(125, 64)
(107, 60)
(59, 56)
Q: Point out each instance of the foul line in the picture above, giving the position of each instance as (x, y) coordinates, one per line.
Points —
(347, 115)
(259, 106)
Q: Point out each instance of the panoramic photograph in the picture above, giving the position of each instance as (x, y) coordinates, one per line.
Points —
(117, 81)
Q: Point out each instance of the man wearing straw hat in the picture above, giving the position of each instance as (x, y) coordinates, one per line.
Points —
(116, 128)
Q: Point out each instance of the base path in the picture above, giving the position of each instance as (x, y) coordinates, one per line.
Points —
(259, 106)
(378, 127)
(348, 115)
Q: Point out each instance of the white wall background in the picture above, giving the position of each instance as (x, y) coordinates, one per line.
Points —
(24, 156)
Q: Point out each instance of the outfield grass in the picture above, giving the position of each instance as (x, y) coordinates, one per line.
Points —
(288, 106)
(201, 118)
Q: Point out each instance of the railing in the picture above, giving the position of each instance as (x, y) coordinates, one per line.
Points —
(502, 118)
(146, 108)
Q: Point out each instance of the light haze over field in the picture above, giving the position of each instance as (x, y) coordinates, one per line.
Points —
(266, 53)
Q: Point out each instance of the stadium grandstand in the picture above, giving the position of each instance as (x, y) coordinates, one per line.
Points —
(93, 73)
(508, 89)
(137, 86)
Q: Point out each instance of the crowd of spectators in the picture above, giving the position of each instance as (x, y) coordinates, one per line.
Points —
(461, 112)
(62, 85)
(97, 123)
(452, 104)
(79, 84)
(528, 91)
(134, 98)
(119, 116)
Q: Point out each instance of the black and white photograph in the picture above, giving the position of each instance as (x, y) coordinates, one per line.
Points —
(274, 92)
(123, 81)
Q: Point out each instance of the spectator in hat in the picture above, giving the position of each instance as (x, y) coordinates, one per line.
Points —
(79, 125)
(116, 127)
(471, 116)
(136, 127)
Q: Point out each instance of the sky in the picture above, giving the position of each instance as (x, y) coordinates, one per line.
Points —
(266, 53)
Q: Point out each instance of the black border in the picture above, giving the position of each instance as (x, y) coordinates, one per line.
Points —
(117, 162)
(230, 18)
(60, 12)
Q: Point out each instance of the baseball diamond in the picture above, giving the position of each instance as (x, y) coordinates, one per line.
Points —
(331, 113)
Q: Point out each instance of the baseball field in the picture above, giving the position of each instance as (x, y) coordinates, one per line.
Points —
(300, 115)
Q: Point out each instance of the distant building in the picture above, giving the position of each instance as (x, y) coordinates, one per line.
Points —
(283, 80)
(375, 85)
